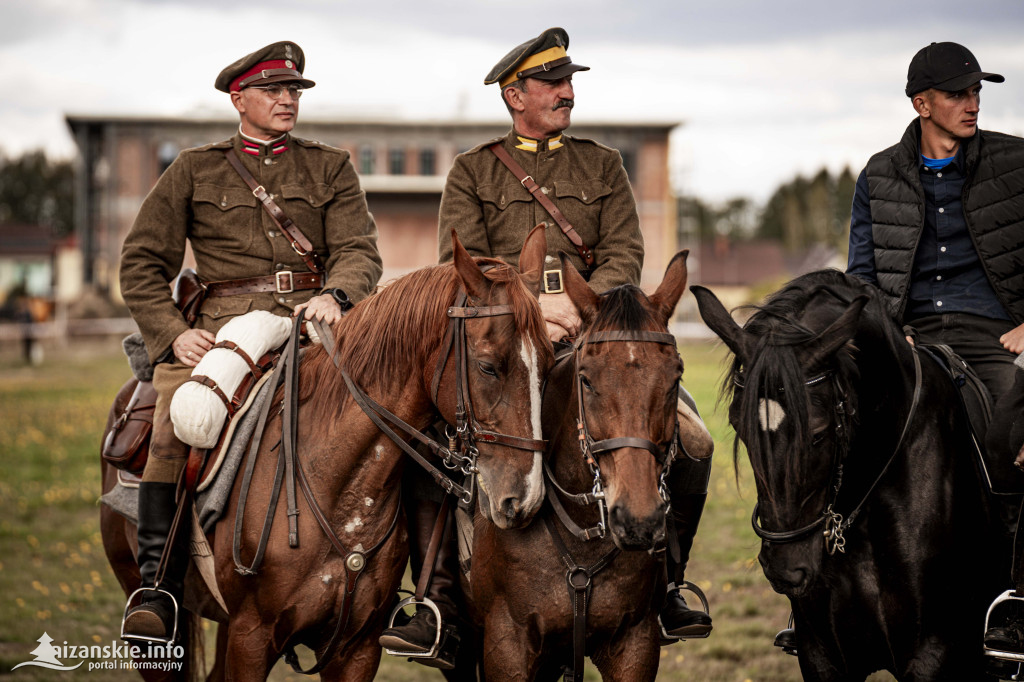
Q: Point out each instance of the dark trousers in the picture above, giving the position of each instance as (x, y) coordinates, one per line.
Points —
(976, 340)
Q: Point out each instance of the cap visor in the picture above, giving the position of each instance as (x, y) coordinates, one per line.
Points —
(559, 72)
(283, 78)
(967, 80)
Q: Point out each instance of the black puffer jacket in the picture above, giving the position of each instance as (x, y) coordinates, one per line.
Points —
(993, 202)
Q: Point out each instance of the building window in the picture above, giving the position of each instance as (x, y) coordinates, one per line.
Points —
(428, 163)
(396, 162)
(166, 154)
(366, 160)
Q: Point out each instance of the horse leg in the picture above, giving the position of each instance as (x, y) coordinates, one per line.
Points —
(250, 652)
(218, 672)
(510, 652)
(633, 656)
(360, 662)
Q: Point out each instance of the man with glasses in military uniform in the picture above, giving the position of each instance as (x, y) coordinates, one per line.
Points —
(248, 263)
(493, 206)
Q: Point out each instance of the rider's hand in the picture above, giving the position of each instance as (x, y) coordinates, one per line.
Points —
(1013, 340)
(561, 315)
(322, 307)
(190, 346)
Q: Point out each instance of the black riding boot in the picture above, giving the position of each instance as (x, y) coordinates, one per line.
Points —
(153, 618)
(419, 634)
(678, 619)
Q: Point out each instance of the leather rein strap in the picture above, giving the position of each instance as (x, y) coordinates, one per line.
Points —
(298, 240)
(290, 467)
(534, 189)
(835, 525)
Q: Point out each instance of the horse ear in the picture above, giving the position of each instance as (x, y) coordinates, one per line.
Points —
(838, 333)
(473, 279)
(718, 319)
(580, 293)
(672, 286)
(531, 258)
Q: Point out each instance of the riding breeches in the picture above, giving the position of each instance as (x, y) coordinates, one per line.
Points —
(167, 454)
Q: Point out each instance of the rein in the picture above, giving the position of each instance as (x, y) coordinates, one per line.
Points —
(834, 524)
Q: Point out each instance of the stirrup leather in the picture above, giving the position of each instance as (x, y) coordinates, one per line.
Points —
(144, 638)
(1005, 597)
(688, 587)
(436, 648)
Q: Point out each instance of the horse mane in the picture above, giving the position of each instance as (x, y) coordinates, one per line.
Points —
(776, 370)
(397, 331)
(622, 307)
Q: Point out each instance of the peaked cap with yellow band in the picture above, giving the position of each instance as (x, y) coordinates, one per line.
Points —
(543, 57)
(275, 63)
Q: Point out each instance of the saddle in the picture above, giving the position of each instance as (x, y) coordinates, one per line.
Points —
(1000, 475)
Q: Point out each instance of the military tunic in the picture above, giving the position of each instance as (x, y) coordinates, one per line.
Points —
(493, 213)
(202, 199)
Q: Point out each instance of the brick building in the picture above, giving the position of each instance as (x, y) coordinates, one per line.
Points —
(402, 167)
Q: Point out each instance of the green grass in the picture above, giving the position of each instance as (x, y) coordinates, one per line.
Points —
(54, 576)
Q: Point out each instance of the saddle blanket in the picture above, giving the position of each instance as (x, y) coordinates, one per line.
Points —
(211, 499)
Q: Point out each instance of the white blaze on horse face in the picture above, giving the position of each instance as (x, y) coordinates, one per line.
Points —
(770, 414)
(535, 480)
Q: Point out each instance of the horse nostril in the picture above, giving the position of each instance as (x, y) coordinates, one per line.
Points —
(511, 507)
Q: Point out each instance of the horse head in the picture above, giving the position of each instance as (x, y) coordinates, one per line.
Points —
(792, 405)
(627, 377)
(507, 357)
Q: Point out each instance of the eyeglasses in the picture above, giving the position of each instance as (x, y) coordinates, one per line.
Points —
(275, 90)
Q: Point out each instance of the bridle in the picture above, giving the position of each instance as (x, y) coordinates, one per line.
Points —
(461, 452)
(834, 524)
(591, 448)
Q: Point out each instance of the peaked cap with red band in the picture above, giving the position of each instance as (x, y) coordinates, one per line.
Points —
(276, 63)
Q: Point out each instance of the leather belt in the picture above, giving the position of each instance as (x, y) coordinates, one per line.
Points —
(283, 282)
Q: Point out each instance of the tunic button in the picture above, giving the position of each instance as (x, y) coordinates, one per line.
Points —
(224, 200)
(938, 175)
(271, 234)
(267, 161)
(584, 196)
(942, 210)
(938, 278)
(545, 190)
(938, 303)
(942, 249)
(280, 299)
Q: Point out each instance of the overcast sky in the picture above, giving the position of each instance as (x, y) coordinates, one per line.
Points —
(762, 90)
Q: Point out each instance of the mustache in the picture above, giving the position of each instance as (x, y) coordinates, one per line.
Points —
(568, 103)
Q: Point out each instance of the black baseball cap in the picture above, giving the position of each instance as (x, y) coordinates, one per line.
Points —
(945, 66)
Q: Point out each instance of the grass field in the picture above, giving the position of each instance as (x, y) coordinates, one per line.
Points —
(54, 576)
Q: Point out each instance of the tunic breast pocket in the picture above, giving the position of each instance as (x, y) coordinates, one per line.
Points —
(508, 217)
(581, 202)
(223, 217)
(306, 205)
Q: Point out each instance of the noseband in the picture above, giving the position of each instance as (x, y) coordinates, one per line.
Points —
(591, 448)
(834, 523)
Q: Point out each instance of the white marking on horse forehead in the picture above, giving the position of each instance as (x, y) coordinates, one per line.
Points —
(770, 414)
(353, 524)
(326, 579)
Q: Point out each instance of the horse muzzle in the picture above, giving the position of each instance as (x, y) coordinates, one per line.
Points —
(630, 533)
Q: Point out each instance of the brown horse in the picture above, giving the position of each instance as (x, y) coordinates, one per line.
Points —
(390, 345)
(617, 391)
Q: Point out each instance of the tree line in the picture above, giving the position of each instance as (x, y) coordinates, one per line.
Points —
(36, 190)
(799, 214)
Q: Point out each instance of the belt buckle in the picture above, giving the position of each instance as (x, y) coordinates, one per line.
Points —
(285, 276)
(553, 282)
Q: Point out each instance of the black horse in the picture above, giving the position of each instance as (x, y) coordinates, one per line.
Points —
(869, 504)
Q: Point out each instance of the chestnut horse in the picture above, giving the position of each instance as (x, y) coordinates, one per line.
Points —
(870, 508)
(390, 345)
(617, 391)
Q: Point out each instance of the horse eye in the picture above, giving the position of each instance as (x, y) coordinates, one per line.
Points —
(488, 369)
(817, 438)
(586, 383)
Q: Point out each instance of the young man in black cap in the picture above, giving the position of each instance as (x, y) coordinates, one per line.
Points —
(493, 211)
(246, 261)
(938, 224)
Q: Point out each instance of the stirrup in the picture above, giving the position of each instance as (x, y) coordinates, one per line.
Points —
(686, 585)
(1008, 596)
(433, 651)
(143, 638)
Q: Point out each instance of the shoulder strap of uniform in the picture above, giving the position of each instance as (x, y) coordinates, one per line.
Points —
(298, 240)
(527, 181)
